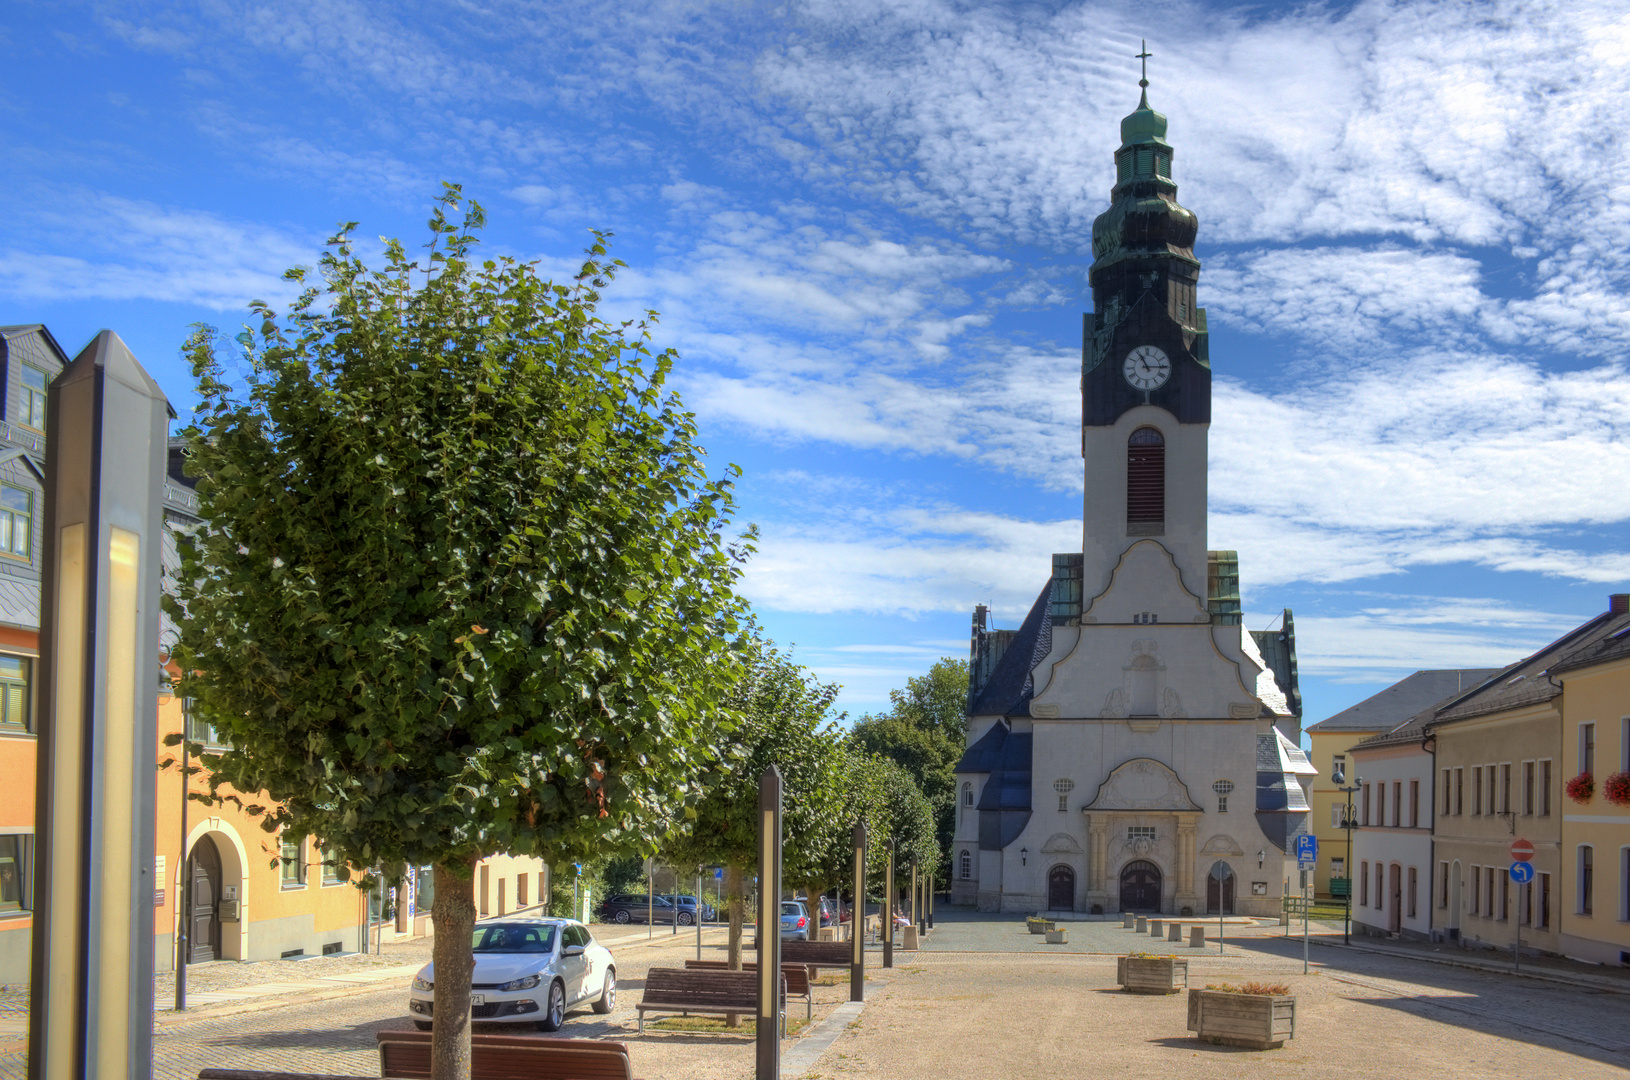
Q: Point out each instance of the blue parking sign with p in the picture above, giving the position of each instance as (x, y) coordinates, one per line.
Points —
(1307, 850)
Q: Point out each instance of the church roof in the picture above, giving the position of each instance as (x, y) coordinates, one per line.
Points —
(1386, 710)
(1007, 692)
(985, 755)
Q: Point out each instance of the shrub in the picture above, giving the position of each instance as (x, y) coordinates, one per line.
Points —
(1261, 989)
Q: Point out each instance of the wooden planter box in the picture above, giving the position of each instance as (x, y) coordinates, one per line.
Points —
(1152, 974)
(1255, 1021)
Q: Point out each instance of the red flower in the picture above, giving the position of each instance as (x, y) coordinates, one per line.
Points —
(1580, 788)
(1617, 788)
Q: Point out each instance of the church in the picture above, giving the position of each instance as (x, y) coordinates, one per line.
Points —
(1132, 746)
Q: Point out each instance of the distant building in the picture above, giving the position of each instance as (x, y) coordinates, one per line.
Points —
(1392, 848)
(1131, 746)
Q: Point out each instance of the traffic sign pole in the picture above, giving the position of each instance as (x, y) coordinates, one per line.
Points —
(1521, 872)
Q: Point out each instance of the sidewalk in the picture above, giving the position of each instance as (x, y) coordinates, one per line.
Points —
(1491, 961)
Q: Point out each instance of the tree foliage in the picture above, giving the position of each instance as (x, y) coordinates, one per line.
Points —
(925, 733)
(463, 584)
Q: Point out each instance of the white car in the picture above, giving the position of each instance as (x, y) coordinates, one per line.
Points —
(527, 971)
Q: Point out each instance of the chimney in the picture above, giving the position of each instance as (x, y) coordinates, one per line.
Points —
(1618, 603)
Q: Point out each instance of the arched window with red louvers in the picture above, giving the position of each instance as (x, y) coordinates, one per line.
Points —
(1145, 482)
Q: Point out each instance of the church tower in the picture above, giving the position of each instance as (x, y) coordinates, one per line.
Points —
(1132, 746)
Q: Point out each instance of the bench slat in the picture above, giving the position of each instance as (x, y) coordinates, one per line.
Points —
(406, 1054)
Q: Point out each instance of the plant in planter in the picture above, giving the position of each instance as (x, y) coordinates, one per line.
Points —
(1148, 973)
(1255, 1015)
(1058, 935)
(1580, 788)
(1038, 925)
(1616, 789)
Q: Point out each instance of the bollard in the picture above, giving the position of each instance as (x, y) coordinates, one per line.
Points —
(911, 938)
(1154, 928)
(1143, 924)
(1175, 932)
(1129, 920)
(1197, 938)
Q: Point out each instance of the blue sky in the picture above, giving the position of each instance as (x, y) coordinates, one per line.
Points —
(867, 228)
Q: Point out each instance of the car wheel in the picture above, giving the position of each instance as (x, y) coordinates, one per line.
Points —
(622, 917)
(686, 918)
(556, 1014)
(608, 996)
(422, 1025)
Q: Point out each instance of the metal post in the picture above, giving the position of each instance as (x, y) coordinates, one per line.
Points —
(650, 898)
(91, 975)
(886, 923)
(857, 920)
(931, 900)
(699, 905)
(1307, 902)
(915, 908)
(1347, 910)
(769, 925)
(183, 899)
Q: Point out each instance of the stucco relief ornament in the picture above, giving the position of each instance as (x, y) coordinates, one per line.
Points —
(1142, 845)
(1171, 704)
(1114, 704)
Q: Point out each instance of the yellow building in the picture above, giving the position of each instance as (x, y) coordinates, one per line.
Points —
(1333, 738)
(1594, 905)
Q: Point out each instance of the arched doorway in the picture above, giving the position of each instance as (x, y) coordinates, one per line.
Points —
(1454, 901)
(1220, 889)
(1140, 886)
(204, 894)
(1061, 889)
(1395, 897)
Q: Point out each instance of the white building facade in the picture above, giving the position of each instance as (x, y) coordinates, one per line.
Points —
(1131, 746)
(1392, 847)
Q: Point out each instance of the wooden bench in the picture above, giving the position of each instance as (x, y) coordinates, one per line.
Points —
(798, 979)
(677, 990)
(261, 1074)
(406, 1055)
(818, 954)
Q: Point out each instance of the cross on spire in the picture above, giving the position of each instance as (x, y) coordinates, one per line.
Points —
(1144, 56)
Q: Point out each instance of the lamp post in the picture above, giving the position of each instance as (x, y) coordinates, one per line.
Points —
(857, 920)
(1340, 778)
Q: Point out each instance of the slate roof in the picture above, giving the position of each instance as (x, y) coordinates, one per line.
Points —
(1528, 681)
(1007, 693)
(1386, 710)
(985, 755)
(1412, 730)
(1614, 644)
(20, 602)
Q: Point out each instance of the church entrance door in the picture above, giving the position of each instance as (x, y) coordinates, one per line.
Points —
(1219, 893)
(1140, 886)
(1061, 889)
(204, 872)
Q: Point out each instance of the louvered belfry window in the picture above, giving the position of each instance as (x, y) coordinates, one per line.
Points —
(1145, 478)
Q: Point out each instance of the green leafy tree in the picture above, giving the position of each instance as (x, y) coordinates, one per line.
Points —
(925, 733)
(463, 585)
(786, 721)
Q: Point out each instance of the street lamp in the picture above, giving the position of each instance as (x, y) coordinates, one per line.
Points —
(1347, 823)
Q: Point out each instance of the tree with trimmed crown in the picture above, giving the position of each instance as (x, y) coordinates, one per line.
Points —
(463, 585)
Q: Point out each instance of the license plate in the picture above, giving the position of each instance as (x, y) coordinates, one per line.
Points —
(477, 999)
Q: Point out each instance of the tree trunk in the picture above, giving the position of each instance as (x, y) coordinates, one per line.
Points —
(732, 888)
(454, 913)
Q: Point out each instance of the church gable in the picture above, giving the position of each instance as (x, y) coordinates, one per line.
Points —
(1142, 784)
(1145, 585)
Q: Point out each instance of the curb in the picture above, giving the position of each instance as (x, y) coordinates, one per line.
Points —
(1594, 982)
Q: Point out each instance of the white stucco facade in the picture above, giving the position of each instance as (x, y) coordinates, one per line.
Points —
(1393, 887)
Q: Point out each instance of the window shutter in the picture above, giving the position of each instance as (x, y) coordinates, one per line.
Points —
(1146, 477)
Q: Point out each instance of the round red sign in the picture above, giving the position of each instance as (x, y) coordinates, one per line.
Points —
(1522, 850)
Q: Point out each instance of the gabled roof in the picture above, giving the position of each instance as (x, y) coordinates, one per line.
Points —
(1613, 644)
(1528, 681)
(20, 329)
(1412, 730)
(1007, 693)
(1387, 709)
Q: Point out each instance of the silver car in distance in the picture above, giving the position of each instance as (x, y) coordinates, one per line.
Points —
(527, 971)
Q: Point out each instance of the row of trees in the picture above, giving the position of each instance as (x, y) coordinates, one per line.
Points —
(464, 586)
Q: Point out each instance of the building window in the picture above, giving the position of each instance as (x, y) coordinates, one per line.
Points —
(1624, 882)
(1477, 789)
(1460, 791)
(1364, 883)
(1587, 748)
(1140, 832)
(15, 675)
(1414, 804)
(1448, 794)
(1545, 788)
(1222, 788)
(1488, 891)
(14, 868)
(1338, 763)
(1528, 788)
(1587, 879)
(1397, 804)
(1381, 805)
(1146, 481)
(1544, 901)
(1477, 887)
(1505, 788)
(1364, 806)
(334, 871)
(1505, 894)
(1525, 903)
(1491, 790)
(31, 410)
(1443, 884)
(965, 864)
(967, 800)
(16, 517)
(1063, 788)
(1414, 889)
(292, 864)
(1624, 745)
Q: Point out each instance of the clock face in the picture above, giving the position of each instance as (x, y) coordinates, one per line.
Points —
(1147, 368)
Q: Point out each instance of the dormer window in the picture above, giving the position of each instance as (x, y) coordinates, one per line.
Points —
(1145, 483)
(31, 407)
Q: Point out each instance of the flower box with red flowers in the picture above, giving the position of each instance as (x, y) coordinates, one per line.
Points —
(1580, 788)
(1616, 789)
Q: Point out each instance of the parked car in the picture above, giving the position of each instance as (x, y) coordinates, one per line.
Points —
(795, 921)
(633, 907)
(527, 971)
(688, 905)
(828, 912)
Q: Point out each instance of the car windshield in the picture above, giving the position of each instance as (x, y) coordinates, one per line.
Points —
(509, 938)
(791, 909)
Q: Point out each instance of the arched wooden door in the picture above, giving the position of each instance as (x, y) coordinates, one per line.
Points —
(1061, 889)
(1140, 886)
(204, 923)
(1219, 893)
